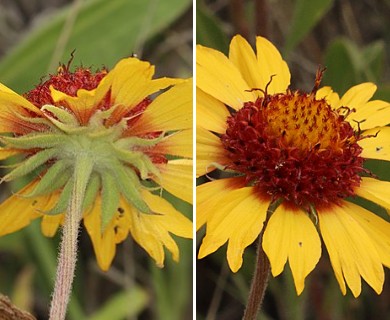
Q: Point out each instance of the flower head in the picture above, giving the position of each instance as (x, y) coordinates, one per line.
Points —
(103, 133)
(297, 156)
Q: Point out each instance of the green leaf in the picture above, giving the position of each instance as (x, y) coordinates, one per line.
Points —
(122, 305)
(383, 92)
(340, 61)
(348, 65)
(306, 14)
(209, 30)
(372, 58)
(103, 32)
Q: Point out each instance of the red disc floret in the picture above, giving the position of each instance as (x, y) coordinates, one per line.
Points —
(281, 167)
(67, 82)
(82, 78)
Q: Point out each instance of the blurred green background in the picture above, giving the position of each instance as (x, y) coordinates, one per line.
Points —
(350, 38)
(35, 36)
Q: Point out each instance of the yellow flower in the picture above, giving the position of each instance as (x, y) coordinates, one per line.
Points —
(297, 154)
(104, 128)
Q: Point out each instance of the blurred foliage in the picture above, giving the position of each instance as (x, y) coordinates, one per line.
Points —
(351, 39)
(306, 14)
(348, 64)
(208, 30)
(101, 32)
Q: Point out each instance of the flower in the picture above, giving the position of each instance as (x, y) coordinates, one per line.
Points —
(291, 162)
(105, 129)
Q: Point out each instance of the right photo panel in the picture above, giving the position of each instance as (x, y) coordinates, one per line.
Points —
(292, 160)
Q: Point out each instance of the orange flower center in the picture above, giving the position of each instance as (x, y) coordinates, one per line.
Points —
(295, 148)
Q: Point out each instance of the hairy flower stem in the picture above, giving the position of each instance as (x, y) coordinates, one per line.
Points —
(259, 283)
(68, 251)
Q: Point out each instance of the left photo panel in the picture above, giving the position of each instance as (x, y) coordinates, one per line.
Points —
(96, 148)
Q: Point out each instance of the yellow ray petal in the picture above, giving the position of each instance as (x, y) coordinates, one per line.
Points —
(290, 234)
(211, 114)
(11, 100)
(352, 252)
(176, 178)
(130, 73)
(104, 244)
(163, 236)
(106, 250)
(243, 57)
(6, 153)
(176, 144)
(82, 106)
(220, 228)
(209, 151)
(375, 190)
(153, 230)
(137, 75)
(50, 224)
(211, 194)
(217, 76)
(245, 223)
(358, 95)
(171, 110)
(4, 88)
(377, 229)
(168, 217)
(12, 104)
(271, 63)
(370, 115)
(331, 97)
(133, 97)
(143, 232)
(376, 147)
(18, 211)
(142, 89)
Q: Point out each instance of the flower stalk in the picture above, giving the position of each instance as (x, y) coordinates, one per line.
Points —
(68, 250)
(259, 283)
(98, 151)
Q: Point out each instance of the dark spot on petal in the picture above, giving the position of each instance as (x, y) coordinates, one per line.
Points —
(121, 211)
(300, 244)
(378, 149)
(34, 202)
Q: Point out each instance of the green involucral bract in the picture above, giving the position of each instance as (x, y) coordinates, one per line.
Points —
(106, 161)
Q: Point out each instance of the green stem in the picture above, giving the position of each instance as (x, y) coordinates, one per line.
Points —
(68, 251)
(259, 283)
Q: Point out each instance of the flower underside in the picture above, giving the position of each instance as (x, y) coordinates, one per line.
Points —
(295, 148)
(116, 163)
